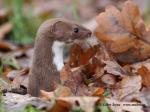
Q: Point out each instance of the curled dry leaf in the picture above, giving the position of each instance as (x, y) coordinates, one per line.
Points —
(61, 91)
(81, 56)
(129, 85)
(114, 68)
(21, 78)
(77, 80)
(71, 79)
(145, 74)
(124, 33)
(80, 78)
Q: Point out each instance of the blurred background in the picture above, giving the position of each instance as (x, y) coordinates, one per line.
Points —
(21, 18)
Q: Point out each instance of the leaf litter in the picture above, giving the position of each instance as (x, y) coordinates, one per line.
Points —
(119, 63)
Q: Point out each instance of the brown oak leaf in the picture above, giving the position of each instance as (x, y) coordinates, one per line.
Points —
(124, 33)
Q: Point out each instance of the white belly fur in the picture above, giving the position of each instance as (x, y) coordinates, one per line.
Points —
(57, 49)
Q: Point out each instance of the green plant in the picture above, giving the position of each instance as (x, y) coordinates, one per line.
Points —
(8, 61)
(102, 107)
(106, 93)
(21, 34)
(75, 10)
(24, 24)
(1, 66)
(2, 109)
(30, 108)
(147, 13)
(77, 109)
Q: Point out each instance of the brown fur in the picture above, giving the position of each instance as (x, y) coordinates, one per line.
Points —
(43, 73)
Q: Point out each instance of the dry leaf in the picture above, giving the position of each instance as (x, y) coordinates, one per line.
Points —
(61, 91)
(124, 33)
(98, 92)
(145, 74)
(108, 79)
(4, 29)
(77, 80)
(12, 74)
(81, 56)
(21, 79)
(6, 46)
(138, 65)
(71, 79)
(144, 97)
(114, 68)
(7, 70)
(61, 106)
(86, 103)
(129, 85)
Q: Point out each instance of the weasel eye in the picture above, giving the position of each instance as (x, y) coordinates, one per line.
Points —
(76, 30)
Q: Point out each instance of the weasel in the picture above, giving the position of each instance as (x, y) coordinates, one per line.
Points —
(51, 38)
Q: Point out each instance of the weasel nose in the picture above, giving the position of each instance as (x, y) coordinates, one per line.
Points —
(89, 34)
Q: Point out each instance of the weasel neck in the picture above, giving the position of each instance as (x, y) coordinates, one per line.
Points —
(57, 49)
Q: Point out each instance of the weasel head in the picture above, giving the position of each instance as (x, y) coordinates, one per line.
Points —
(68, 31)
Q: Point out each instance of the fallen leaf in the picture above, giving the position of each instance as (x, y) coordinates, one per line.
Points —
(4, 29)
(138, 65)
(77, 80)
(81, 56)
(114, 68)
(98, 92)
(6, 46)
(145, 74)
(21, 79)
(129, 85)
(71, 79)
(85, 103)
(124, 33)
(144, 97)
(108, 79)
(61, 106)
(61, 91)
(6, 70)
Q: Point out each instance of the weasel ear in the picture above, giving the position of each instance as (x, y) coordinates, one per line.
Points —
(59, 27)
